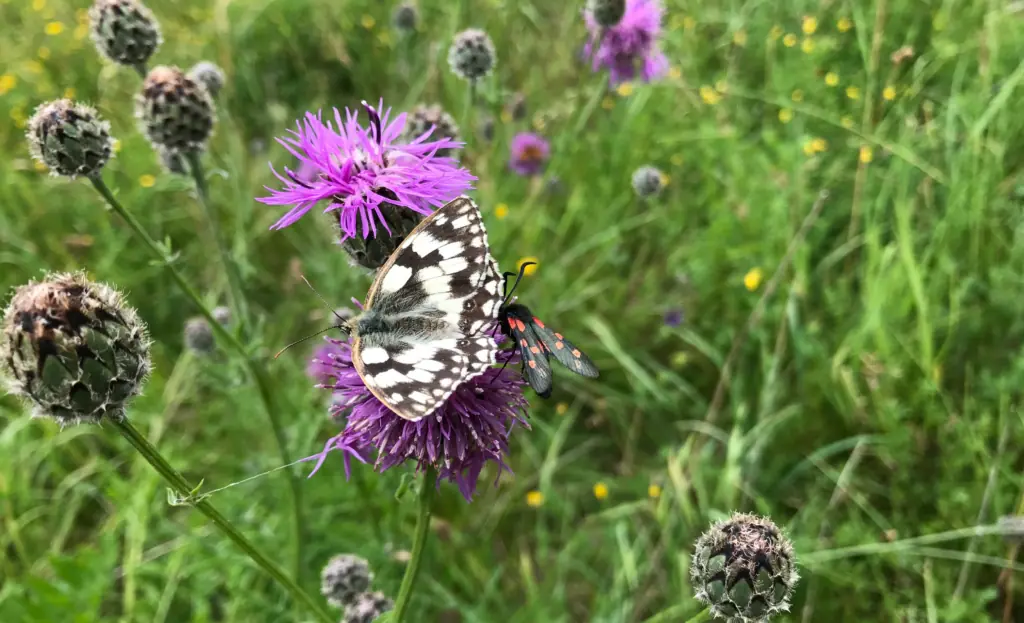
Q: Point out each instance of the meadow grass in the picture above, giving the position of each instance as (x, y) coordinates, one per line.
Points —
(871, 401)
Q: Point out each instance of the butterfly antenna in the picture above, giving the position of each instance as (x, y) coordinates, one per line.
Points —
(302, 340)
(522, 271)
(342, 323)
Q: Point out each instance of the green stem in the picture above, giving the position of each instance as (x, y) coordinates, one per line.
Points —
(238, 302)
(224, 336)
(419, 541)
(186, 491)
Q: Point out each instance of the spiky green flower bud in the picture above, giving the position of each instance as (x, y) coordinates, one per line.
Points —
(423, 117)
(70, 139)
(648, 181)
(174, 111)
(209, 75)
(73, 349)
(607, 13)
(368, 607)
(343, 578)
(371, 253)
(222, 315)
(471, 55)
(744, 568)
(199, 335)
(124, 31)
(405, 17)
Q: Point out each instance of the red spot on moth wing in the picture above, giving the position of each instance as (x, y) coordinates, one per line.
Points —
(520, 325)
(559, 345)
(522, 342)
(534, 350)
(559, 336)
(533, 364)
(537, 321)
(575, 352)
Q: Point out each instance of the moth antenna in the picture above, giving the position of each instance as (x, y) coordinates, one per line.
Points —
(342, 323)
(305, 338)
(522, 271)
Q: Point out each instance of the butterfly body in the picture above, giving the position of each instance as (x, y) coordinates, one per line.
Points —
(538, 344)
(422, 332)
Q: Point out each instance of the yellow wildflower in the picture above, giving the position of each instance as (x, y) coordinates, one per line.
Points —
(844, 24)
(853, 93)
(889, 93)
(529, 269)
(501, 211)
(819, 144)
(506, 116)
(846, 122)
(653, 491)
(147, 181)
(785, 115)
(798, 95)
(675, 73)
(831, 78)
(676, 160)
(69, 93)
(752, 280)
(54, 28)
(866, 155)
(7, 82)
(43, 53)
(607, 103)
(740, 38)
(807, 46)
(368, 22)
(689, 23)
(789, 40)
(808, 148)
(600, 491)
(116, 145)
(810, 24)
(38, 5)
(561, 408)
(534, 499)
(709, 95)
(775, 33)
(625, 89)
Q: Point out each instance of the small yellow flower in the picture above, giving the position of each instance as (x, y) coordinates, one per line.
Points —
(789, 40)
(607, 103)
(831, 78)
(785, 115)
(539, 123)
(844, 24)
(665, 179)
(740, 38)
(501, 211)
(506, 116)
(600, 491)
(866, 155)
(116, 145)
(808, 148)
(709, 95)
(775, 33)
(689, 23)
(529, 269)
(653, 491)
(676, 160)
(43, 53)
(889, 93)
(7, 82)
(846, 122)
(38, 5)
(69, 93)
(752, 280)
(722, 86)
(807, 46)
(798, 95)
(534, 499)
(39, 166)
(810, 24)
(853, 93)
(819, 144)
(561, 408)
(675, 73)
(680, 359)
(54, 28)
(368, 22)
(147, 181)
(625, 89)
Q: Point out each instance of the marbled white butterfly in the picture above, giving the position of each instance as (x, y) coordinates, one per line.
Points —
(422, 333)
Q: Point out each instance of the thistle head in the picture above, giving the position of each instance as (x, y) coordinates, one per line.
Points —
(425, 117)
(174, 111)
(648, 181)
(471, 55)
(744, 568)
(606, 13)
(344, 578)
(73, 349)
(199, 335)
(367, 607)
(71, 139)
(124, 31)
(209, 75)
(405, 17)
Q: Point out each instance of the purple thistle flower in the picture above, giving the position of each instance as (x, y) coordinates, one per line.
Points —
(673, 317)
(631, 42)
(529, 153)
(468, 430)
(357, 169)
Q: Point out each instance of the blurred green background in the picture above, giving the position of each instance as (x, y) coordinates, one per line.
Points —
(874, 399)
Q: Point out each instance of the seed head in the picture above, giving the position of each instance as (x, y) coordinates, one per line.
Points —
(209, 75)
(343, 578)
(423, 118)
(222, 315)
(174, 111)
(70, 139)
(472, 54)
(73, 349)
(744, 568)
(373, 251)
(172, 161)
(367, 607)
(607, 13)
(647, 181)
(405, 17)
(124, 31)
(198, 335)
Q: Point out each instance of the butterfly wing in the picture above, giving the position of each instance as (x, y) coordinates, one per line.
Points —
(430, 301)
(536, 368)
(563, 350)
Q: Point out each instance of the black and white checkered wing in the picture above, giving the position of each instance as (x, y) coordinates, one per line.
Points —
(425, 329)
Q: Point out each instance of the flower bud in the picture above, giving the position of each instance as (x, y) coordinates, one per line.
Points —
(367, 607)
(174, 111)
(70, 139)
(209, 75)
(124, 31)
(607, 13)
(424, 117)
(343, 578)
(471, 55)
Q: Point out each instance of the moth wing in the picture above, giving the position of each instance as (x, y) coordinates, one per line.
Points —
(564, 351)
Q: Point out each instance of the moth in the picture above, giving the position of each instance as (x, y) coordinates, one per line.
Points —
(422, 333)
(538, 343)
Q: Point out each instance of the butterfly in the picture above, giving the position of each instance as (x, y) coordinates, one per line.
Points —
(538, 343)
(421, 333)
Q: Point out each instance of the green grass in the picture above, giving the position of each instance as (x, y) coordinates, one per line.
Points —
(875, 399)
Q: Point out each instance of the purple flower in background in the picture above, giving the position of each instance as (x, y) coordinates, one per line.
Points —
(468, 430)
(530, 153)
(631, 46)
(673, 317)
(357, 169)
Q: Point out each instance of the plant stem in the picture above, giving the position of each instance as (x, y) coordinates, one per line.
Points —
(427, 488)
(254, 369)
(184, 489)
(238, 302)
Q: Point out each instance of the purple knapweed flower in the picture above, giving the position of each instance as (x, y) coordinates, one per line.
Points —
(673, 317)
(357, 169)
(631, 46)
(468, 430)
(529, 153)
